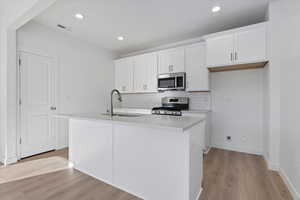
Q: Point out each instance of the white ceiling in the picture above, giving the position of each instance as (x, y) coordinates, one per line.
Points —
(149, 23)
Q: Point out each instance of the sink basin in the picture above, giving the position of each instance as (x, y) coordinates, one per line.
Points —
(123, 115)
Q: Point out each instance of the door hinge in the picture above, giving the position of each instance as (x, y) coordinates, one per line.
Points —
(20, 102)
(20, 62)
(20, 140)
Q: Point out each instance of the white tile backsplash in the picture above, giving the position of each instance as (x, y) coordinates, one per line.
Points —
(198, 101)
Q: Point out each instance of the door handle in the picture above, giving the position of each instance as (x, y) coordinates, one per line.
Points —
(53, 108)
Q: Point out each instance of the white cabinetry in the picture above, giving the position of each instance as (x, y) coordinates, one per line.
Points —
(171, 61)
(196, 70)
(124, 75)
(220, 50)
(145, 73)
(240, 46)
(251, 45)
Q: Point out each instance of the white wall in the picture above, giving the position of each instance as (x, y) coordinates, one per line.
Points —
(237, 110)
(85, 71)
(285, 17)
(266, 113)
(13, 13)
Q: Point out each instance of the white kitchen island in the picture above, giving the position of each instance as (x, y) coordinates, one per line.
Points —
(153, 157)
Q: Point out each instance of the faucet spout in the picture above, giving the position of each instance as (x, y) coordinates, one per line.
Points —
(111, 100)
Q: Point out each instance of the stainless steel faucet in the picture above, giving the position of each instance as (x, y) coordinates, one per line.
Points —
(111, 100)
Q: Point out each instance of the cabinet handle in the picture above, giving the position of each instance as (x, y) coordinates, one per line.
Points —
(171, 68)
(236, 56)
(53, 108)
(231, 56)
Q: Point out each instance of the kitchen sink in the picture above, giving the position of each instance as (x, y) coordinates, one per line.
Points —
(123, 115)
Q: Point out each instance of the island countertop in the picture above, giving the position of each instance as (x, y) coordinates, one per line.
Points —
(177, 123)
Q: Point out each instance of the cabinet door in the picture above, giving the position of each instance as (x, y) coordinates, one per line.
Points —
(220, 51)
(196, 70)
(151, 72)
(171, 61)
(124, 75)
(251, 45)
(145, 73)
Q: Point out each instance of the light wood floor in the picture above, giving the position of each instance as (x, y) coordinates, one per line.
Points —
(237, 176)
(227, 176)
(62, 153)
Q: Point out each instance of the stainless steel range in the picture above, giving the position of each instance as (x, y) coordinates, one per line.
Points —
(172, 106)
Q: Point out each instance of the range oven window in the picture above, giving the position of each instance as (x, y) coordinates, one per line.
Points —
(167, 82)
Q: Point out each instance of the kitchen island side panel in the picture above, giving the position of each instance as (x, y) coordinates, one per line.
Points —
(90, 148)
(151, 163)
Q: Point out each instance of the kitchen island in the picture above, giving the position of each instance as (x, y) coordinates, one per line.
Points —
(153, 157)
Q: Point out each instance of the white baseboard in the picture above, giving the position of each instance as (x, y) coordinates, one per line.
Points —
(198, 196)
(207, 151)
(272, 166)
(289, 184)
(244, 150)
(61, 147)
(2, 160)
(8, 161)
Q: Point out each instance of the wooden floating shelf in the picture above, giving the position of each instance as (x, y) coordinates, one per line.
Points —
(238, 67)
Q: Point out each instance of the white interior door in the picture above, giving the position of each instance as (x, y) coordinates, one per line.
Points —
(37, 102)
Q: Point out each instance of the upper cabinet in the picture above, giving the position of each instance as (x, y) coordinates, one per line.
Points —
(124, 75)
(171, 61)
(251, 45)
(197, 73)
(220, 50)
(240, 46)
(145, 73)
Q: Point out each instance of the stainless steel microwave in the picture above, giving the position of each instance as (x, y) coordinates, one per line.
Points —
(172, 81)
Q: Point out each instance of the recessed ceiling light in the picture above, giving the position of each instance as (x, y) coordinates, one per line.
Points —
(120, 38)
(216, 9)
(79, 16)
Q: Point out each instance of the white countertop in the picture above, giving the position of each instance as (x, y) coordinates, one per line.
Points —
(176, 123)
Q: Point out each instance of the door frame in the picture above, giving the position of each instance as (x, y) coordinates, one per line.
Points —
(56, 95)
